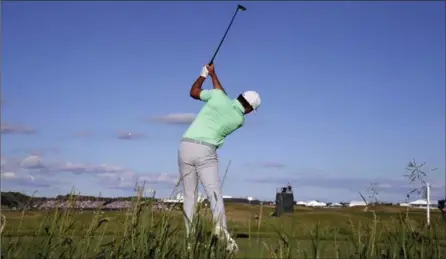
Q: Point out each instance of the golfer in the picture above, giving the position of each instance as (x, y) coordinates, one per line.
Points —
(197, 154)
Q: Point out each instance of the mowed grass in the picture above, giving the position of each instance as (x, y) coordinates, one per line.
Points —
(141, 232)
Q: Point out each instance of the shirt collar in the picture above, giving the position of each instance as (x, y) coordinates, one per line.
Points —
(239, 107)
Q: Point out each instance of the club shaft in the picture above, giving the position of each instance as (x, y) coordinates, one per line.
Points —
(224, 36)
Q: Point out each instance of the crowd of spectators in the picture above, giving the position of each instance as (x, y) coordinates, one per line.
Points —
(87, 204)
(90, 205)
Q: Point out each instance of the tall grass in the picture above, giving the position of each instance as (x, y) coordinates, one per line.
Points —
(145, 233)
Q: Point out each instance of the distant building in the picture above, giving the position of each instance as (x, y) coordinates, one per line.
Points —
(301, 203)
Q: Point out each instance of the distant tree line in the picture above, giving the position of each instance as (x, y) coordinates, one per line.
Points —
(14, 199)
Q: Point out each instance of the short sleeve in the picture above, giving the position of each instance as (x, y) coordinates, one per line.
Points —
(206, 95)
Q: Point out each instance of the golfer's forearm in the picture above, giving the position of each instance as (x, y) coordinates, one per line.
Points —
(216, 83)
(196, 87)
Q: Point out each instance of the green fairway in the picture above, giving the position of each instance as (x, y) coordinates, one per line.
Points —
(141, 232)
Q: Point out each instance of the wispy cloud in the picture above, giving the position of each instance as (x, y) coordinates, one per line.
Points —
(9, 164)
(268, 164)
(175, 118)
(79, 168)
(276, 165)
(42, 151)
(82, 134)
(160, 180)
(24, 180)
(34, 151)
(130, 135)
(16, 129)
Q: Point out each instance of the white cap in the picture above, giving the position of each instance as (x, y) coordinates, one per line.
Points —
(253, 98)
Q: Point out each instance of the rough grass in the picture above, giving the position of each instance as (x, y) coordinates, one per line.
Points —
(141, 232)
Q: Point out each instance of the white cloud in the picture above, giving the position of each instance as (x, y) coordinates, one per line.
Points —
(127, 180)
(159, 178)
(23, 179)
(175, 118)
(31, 162)
(8, 175)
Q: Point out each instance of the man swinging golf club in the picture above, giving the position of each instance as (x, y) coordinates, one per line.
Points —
(197, 156)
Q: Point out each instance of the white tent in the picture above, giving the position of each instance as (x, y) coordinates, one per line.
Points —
(418, 202)
(421, 203)
(357, 203)
(316, 204)
(336, 204)
(301, 203)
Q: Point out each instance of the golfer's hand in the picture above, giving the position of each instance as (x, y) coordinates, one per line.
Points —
(204, 72)
(211, 69)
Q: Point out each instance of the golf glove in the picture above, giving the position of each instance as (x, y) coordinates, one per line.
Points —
(204, 72)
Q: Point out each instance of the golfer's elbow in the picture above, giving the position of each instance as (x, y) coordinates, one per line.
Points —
(195, 93)
(195, 90)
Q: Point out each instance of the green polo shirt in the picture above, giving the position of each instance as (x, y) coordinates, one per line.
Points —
(219, 117)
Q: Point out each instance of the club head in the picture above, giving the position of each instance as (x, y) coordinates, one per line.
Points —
(241, 7)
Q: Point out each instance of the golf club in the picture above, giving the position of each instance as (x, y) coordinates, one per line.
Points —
(224, 177)
(239, 7)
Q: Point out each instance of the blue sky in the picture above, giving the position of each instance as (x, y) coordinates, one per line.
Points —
(350, 93)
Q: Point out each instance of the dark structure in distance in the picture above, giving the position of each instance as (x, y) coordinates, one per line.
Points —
(284, 200)
(442, 207)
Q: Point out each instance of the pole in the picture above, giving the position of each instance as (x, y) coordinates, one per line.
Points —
(428, 200)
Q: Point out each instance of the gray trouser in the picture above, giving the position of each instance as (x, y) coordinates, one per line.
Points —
(198, 161)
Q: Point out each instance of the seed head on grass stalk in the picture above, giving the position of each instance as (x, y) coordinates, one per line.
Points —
(417, 174)
(259, 223)
(2, 223)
